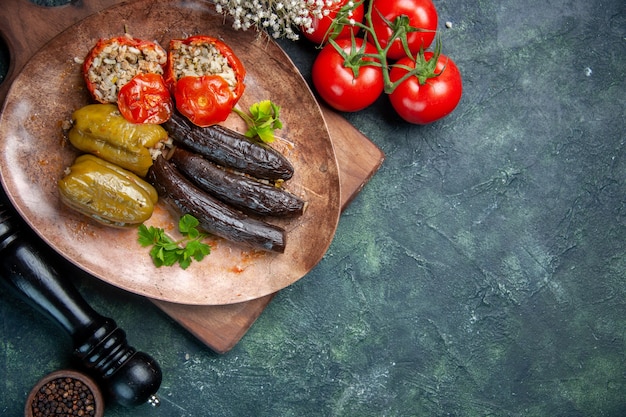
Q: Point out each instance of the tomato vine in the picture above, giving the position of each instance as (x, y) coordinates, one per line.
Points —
(400, 40)
(400, 27)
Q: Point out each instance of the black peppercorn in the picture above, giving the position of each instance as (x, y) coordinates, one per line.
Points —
(65, 393)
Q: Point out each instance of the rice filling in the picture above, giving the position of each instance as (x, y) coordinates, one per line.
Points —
(117, 64)
(201, 59)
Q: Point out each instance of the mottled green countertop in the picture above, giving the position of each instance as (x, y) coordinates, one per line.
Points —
(481, 272)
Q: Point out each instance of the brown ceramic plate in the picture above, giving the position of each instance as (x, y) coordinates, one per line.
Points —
(33, 155)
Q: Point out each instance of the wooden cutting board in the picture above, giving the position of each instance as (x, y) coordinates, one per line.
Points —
(26, 28)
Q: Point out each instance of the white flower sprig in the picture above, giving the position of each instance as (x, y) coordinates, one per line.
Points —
(279, 18)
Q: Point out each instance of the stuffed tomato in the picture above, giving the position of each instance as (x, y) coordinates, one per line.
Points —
(205, 77)
(129, 72)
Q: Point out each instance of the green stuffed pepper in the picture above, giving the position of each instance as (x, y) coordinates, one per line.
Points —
(107, 193)
(101, 130)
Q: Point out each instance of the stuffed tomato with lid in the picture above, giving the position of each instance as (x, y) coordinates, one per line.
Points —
(129, 72)
(205, 77)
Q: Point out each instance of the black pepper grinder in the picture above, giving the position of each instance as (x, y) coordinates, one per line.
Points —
(126, 376)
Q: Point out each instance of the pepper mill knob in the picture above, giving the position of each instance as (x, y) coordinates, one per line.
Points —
(126, 376)
(130, 378)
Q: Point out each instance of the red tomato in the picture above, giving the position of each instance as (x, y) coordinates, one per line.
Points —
(337, 84)
(422, 14)
(145, 99)
(321, 26)
(436, 98)
(204, 100)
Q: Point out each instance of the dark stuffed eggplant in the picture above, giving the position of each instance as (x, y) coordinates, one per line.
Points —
(230, 149)
(237, 190)
(214, 216)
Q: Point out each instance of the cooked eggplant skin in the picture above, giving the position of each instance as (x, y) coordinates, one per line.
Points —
(230, 149)
(237, 190)
(214, 216)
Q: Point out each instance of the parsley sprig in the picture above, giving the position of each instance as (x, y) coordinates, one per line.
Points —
(263, 120)
(167, 252)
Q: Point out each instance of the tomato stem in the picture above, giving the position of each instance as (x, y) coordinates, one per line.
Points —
(424, 69)
(354, 59)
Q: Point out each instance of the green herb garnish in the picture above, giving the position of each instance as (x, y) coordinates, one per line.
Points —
(262, 121)
(166, 251)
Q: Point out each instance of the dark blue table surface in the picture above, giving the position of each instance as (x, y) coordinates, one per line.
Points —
(481, 272)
